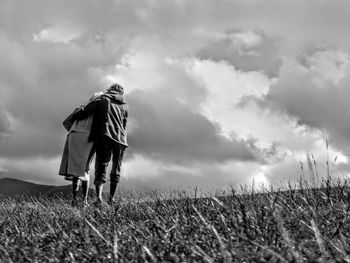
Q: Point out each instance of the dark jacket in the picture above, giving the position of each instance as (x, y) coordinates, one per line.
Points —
(110, 117)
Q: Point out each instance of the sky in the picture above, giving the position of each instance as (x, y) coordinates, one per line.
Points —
(220, 92)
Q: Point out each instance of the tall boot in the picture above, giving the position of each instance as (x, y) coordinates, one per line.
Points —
(99, 189)
(85, 187)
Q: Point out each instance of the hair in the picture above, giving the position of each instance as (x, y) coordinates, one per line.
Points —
(95, 95)
(116, 87)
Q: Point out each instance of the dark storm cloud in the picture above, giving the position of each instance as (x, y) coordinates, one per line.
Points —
(262, 57)
(169, 131)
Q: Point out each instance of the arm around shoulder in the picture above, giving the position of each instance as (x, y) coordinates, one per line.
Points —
(88, 110)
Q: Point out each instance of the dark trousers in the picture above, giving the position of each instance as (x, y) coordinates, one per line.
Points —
(105, 149)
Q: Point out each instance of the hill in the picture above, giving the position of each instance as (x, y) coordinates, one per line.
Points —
(298, 225)
(14, 187)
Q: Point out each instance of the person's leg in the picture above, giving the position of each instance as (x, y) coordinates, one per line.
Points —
(103, 156)
(86, 182)
(75, 189)
(99, 190)
(90, 157)
(112, 191)
(118, 154)
(85, 187)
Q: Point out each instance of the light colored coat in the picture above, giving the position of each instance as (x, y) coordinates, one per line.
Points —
(78, 151)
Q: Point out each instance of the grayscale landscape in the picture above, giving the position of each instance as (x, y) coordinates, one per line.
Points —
(174, 131)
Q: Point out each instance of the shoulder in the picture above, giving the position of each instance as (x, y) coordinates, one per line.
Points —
(104, 100)
(100, 102)
(95, 102)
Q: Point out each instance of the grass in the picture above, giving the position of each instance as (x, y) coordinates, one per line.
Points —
(290, 225)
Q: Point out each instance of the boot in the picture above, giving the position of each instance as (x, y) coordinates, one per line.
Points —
(85, 187)
(75, 189)
(99, 189)
(112, 192)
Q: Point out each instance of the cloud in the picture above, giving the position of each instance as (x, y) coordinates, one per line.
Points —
(169, 131)
(56, 35)
(5, 128)
(245, 50)
(41, 83)
(314, 98)
(327, 66)
(27, 140)
(166, 120)
(225, 87)
(245, 40)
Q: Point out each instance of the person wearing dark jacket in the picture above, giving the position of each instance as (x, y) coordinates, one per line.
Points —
(108, 132)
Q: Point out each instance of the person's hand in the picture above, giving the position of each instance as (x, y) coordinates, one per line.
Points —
(81, 107)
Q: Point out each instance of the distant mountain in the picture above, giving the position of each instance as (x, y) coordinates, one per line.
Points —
(15, 187)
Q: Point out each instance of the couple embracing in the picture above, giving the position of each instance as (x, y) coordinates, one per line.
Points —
(98, 127)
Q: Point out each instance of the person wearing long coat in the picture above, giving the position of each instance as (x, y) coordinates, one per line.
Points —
(78, 151)
(109, 133)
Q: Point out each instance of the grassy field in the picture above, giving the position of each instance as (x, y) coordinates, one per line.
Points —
(304, 225)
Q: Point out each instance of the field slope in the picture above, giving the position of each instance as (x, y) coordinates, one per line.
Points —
(305, 225)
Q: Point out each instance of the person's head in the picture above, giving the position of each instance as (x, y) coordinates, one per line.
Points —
(116, 88)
